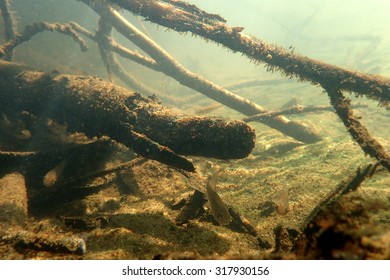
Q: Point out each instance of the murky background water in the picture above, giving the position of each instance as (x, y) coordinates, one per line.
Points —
(350, 34)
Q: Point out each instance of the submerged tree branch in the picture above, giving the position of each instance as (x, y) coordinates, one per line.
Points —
(115, 47)
(358, 132)
(33, 29)
(288, 111)
(103, 39)
(9, 23)
(8, 19)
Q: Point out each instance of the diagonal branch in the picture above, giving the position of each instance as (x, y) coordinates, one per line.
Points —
(358, 132)
(115, 47)
(8, 19)
(33, 29)
(9, 23)
(103, 39)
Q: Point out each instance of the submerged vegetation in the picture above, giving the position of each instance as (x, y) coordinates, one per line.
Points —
(91, 170)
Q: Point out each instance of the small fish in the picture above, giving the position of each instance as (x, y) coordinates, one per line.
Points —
(293, 102)
(218, 208)
(53, 175)
(208, 109)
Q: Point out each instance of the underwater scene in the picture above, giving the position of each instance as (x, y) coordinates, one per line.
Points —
(169, 129)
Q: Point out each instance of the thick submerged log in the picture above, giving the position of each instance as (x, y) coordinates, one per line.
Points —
(96, 108)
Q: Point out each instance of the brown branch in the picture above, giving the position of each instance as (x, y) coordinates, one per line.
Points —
(292, 110)
(116, 67)
(102, 34)
(8, 19)
(9, 23)
(172, 15)
(55, 242)
(33, 29)
(295, 110)
(255, 83)
(103, 39)
(115, 47)
(358, 132)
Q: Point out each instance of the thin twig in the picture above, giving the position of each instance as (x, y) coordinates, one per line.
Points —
(16, 154)
(292, 110)
(122, 51)
(33, 29)
(295, 110)
(257, 82)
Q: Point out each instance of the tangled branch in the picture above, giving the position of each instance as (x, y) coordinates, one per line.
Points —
(33, 29)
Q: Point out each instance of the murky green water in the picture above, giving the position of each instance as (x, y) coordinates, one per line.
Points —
(140, 222)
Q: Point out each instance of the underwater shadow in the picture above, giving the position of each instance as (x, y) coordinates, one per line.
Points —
(147, 235)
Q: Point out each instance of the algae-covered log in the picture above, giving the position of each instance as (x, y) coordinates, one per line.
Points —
(96, 107)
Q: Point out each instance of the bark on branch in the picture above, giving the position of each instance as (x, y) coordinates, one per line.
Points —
(33, 29)
(9, 23)
(357, 130)
(8, 19)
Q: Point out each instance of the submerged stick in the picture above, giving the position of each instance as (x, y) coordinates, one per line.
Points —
(357, 130)
(33, 29)
(115, 47)
(8, 19)
(292, 110)
(9, 23)
(103, 39)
